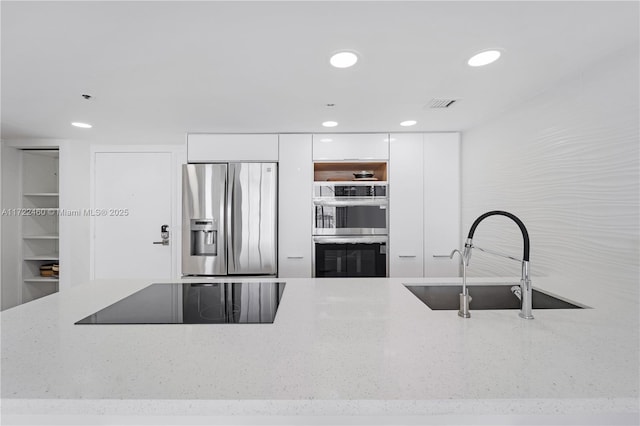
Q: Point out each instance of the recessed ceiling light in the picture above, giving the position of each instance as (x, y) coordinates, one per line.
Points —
(408, 123)
(326, 140)
(82, 125)
(484, 58)
(343, 59)
(330, 123)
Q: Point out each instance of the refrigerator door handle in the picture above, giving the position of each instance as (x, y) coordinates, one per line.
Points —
(231, 252)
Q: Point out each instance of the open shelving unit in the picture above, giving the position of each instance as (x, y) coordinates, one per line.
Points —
(39, 221)
(342, 171)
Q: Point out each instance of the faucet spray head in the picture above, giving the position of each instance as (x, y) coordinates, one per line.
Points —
(466, 254)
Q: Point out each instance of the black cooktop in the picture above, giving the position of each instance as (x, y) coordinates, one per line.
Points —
(195, 303)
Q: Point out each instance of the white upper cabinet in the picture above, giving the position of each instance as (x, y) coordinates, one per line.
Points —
(345, 146)
(295, 206)
(207, 148)
(406, 189)
(441, 202)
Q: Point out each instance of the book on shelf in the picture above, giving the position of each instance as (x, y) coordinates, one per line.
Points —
(49, 270)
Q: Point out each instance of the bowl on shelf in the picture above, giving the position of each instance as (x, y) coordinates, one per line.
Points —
(363, 174)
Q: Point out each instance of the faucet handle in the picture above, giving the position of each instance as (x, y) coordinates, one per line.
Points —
(450, 256)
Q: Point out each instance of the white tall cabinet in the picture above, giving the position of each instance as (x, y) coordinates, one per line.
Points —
(441, 203)
(424, 204)
(295, 206)
(406, 195)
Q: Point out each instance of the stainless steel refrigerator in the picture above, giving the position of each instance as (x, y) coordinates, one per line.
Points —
(229, 219)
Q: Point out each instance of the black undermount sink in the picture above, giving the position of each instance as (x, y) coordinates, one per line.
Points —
(446, 297)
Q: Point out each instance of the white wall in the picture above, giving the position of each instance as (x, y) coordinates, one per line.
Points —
(567, 163)
(75, 157)
(2, 299)
(11, 256)
(74, 195)
(11, 287)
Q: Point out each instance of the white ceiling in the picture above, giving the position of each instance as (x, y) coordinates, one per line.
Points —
(160, 69)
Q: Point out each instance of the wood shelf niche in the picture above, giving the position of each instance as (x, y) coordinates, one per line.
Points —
(343, 171)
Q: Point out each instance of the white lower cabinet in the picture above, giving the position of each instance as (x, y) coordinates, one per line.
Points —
(295, 206)
(424, 204)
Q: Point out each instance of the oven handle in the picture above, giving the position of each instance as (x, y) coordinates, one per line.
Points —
(333, 184)
(350, 240)
(332, 202)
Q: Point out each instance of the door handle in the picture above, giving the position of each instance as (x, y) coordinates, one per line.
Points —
(164, 234)
(231, 235)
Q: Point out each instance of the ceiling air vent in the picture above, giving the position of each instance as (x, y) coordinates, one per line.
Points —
(441, 103)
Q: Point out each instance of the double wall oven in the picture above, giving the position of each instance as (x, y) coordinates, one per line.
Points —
(350, 229)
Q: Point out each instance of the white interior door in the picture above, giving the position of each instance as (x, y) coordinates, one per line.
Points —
(132, 200)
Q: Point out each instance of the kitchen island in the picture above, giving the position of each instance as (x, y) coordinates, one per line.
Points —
(338, 348)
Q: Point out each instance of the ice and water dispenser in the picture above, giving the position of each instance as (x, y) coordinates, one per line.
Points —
(204, 237)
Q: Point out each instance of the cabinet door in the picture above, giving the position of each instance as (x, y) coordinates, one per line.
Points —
(339, 147)
(209, 148)
(441, 202)
(295, 207)
(406, 188)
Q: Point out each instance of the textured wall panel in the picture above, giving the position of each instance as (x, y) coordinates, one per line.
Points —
(566, 163)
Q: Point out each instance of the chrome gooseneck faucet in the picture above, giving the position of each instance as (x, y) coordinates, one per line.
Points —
(525, 281)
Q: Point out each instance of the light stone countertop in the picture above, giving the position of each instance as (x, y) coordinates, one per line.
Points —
(338, 347)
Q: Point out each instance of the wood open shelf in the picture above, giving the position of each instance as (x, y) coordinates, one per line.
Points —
(343, 171)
